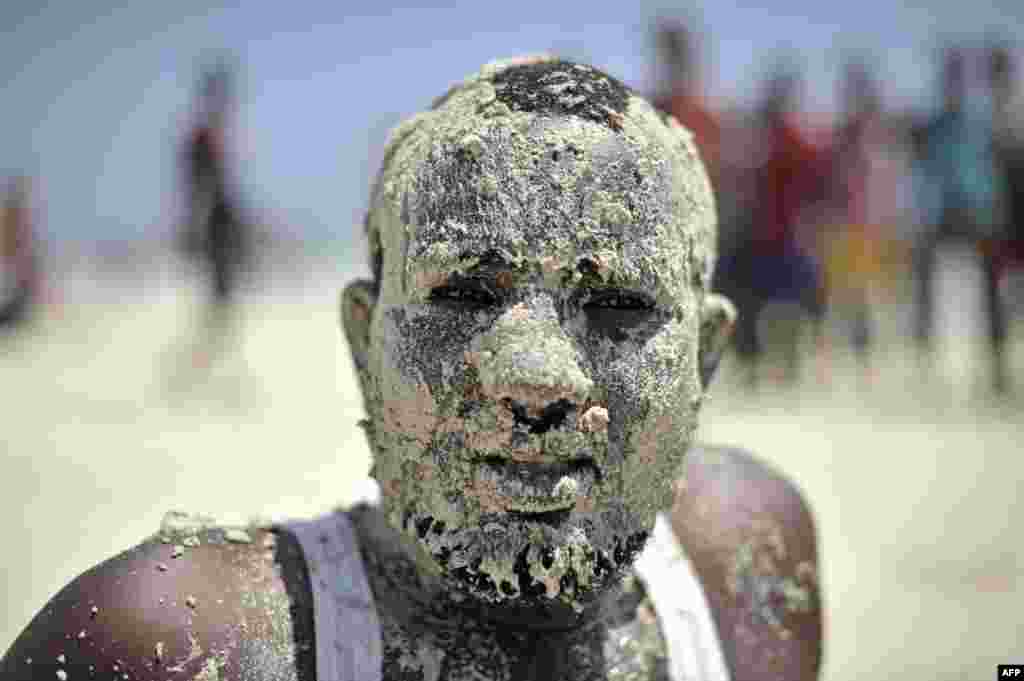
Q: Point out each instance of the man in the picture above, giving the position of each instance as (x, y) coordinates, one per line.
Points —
(777, 279)
(960, 198)
(532, 350)
(214, 232)
(683, 98)
(19, 272)
(864, 204)
(1004, 253)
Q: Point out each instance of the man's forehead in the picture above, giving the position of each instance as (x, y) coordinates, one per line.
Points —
(629, 253)
(552, 196)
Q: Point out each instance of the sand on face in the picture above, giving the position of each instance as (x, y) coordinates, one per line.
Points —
(916, 495)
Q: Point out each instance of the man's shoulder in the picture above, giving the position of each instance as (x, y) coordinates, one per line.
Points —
(750, 535)
(196, 599)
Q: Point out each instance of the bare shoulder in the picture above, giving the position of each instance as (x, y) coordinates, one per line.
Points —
(200, 603)
(750, 535)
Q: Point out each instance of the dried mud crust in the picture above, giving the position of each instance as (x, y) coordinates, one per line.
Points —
(495, 111)
(562, 88)
(431, 632)
(537, 157)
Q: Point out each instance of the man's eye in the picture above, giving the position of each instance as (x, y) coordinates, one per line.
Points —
(619, 300)
(465, 295)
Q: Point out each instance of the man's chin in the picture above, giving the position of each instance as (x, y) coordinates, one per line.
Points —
(555, 564)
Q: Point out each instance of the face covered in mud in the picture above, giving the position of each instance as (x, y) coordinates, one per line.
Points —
(534, 351)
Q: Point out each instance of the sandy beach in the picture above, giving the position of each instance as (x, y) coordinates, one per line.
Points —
(916, 487)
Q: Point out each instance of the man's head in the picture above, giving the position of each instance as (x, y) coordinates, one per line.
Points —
(215, 91)
(1001, 74)
(782, 89)
(536, 342)
(858, 91)
(677, 46)
(954, 78)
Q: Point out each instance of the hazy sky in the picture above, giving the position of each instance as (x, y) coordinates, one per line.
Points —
(94, 96)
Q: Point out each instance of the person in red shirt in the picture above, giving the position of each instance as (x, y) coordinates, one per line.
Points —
(774, 266)
(682, 96)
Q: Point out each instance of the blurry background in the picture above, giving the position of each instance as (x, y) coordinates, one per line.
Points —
(183, 189)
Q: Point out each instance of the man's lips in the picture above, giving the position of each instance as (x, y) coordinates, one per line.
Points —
(537, 487)
(524, 478)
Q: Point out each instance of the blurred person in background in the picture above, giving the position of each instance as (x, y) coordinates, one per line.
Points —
(864, 207)
(19, 264)
(961, 199)
(1005, 253)
(214, 233)
(681, 95)
(679, 92)
(775, 268)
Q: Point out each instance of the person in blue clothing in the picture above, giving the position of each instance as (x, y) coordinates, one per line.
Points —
(960, 192)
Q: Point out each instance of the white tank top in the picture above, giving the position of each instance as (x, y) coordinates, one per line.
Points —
(348, 636)
(345, 624)
(694, 651)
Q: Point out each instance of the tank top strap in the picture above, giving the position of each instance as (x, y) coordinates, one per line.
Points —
(694, 650)
(348, 634)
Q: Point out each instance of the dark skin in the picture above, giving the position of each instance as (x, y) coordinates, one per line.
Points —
(746, 529)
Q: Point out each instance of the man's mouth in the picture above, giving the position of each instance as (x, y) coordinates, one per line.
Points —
(537, 487)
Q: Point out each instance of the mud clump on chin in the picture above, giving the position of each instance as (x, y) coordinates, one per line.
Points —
(518, 561)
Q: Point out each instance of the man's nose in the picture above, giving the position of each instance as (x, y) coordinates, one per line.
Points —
(552, 415)
(528, 362)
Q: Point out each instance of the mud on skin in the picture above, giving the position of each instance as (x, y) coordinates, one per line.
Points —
(543, 243)
(450, 640)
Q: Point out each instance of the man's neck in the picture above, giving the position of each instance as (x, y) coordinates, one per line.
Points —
(428, 625)
(405, 584)
(629, 646)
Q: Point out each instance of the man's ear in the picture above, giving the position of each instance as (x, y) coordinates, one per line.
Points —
(357, 303)
(717, 319)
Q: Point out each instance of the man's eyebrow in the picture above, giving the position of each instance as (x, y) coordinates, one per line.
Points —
(471, 263)
(489, 262)
(428, 273)
(612, 276)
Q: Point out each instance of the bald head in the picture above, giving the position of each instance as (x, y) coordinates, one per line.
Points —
(546, 141)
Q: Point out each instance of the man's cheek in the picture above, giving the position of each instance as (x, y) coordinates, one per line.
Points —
(408, 411)
(653, 411)
(654, 453)
(430, 348)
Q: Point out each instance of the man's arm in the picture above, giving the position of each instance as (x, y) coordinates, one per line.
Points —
(751, 538)
(223, 607)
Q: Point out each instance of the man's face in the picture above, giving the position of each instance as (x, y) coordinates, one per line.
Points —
(533, 356)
